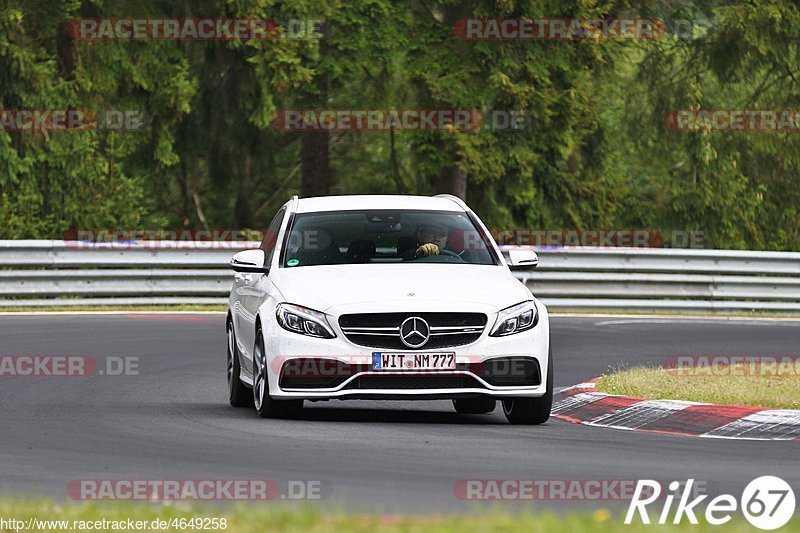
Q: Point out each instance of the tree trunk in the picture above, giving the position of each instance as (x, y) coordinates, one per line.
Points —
(315, 164)
(241, 210)
(453, 180)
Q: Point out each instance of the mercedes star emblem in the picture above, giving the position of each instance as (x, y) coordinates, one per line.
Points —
(414, 332)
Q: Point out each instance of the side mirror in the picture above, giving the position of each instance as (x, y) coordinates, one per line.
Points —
(249, 261)
(522, 257)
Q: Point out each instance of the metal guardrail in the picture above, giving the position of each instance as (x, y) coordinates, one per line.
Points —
(47, 273)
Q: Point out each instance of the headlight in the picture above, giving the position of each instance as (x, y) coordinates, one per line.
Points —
(304, 321)
(520, 317)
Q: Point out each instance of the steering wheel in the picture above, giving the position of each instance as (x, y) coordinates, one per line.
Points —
(449, 252)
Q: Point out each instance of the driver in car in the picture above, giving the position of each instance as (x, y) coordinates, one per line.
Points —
(431, 240)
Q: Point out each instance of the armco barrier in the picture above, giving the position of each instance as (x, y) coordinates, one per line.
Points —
(47, 273)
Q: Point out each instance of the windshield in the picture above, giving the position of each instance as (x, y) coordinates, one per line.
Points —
(385, 236)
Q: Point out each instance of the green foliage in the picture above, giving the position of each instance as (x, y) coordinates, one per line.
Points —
(597, 153)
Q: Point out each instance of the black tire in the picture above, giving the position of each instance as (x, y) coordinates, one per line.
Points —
(527, 411)
(238, 394)
(475, 406)
(266, 406)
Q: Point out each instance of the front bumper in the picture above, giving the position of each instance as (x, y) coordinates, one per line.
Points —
(283, 346)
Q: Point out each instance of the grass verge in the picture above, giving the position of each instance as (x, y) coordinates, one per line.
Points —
(258, 518)
(736, 384)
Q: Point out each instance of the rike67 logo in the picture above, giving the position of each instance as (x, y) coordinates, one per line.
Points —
(767, 502)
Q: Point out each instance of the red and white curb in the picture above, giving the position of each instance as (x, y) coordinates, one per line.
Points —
(582, 404)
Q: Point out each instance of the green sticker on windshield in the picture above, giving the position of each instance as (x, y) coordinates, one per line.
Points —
(293, 262)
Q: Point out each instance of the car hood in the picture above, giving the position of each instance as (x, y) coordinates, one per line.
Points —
(401, 286)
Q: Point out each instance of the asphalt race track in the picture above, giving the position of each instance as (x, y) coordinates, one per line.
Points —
(173, 421)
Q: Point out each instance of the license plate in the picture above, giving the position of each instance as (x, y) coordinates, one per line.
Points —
(413, 361)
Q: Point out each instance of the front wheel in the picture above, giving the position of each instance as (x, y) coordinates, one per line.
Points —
(266, 406)
(238, 394)
(527, 411)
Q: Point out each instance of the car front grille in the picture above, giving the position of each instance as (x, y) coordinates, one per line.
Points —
(382, 330)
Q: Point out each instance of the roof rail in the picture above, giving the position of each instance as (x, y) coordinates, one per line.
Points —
(455, 199)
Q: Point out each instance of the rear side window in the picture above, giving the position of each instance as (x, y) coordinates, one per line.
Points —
(271, 236)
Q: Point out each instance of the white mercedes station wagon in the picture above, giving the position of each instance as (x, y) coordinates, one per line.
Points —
(386, 297)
